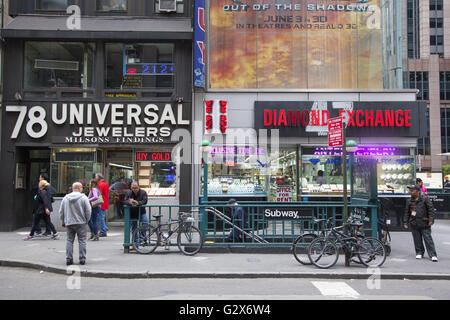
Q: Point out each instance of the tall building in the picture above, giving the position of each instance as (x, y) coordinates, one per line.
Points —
(94, 86)
(428, 70)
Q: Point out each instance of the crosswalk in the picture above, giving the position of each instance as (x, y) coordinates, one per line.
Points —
(335, 289)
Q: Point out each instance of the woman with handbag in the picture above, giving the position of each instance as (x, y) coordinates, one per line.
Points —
(96, 200)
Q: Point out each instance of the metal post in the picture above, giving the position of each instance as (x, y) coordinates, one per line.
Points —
(126, 230)
(344, 169)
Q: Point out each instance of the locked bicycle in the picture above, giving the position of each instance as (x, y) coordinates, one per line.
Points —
(324, 252)
(300, 245)
(146, 238)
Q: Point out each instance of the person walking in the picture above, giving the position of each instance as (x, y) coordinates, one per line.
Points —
(136, 197)
(419, 215)
(75, 213)
(96, 200)
(43, 209)
(238, 219)
(38, 230)
(104, 189)
(422, 188)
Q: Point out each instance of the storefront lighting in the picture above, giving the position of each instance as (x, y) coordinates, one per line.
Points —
(352, 146)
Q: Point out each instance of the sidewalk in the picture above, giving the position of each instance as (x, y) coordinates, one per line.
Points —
(105, 258)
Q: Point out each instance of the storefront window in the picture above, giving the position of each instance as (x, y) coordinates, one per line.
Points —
(51, 4)
(283, 175)
(157, 178)
(73, 165)
(62, 65)
(112, 5)
(139, 66)
(322, 171)
(235, 171)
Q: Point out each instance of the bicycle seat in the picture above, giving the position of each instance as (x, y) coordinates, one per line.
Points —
(156, 216)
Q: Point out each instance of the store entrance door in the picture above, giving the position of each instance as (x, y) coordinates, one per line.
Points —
(119, 174)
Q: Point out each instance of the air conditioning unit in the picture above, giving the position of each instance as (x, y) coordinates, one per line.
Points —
(56, 65)
(167, 5)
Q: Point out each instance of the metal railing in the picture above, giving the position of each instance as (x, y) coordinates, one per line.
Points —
(264, 225)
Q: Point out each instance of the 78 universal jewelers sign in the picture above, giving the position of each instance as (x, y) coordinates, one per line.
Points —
(96, 123)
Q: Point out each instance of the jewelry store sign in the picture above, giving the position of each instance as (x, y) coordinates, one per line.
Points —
(96, 123)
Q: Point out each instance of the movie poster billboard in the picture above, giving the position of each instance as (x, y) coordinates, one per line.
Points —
(313, 44)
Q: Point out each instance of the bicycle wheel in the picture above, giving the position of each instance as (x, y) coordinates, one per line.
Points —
(323, 253)
(145, 239)
(371, 252)
(189, 240)
(300, 248)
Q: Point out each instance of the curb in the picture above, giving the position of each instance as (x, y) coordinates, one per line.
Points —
(220, 275)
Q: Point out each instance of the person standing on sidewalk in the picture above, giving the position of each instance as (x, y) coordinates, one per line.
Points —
(43, 210)
(136, 197)
(94, 195)
(238, 219)
(75, 212)
(419, 215)
(104, 189)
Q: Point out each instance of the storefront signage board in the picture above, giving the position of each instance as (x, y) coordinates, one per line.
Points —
(335, 132)
(284, 194)
(288, 213)
(153, 156)
(431, 180)
(365, 119)
(115, 123)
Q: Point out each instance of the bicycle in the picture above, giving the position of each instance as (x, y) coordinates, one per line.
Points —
(146, 238)
(299, 247)
(324, 253)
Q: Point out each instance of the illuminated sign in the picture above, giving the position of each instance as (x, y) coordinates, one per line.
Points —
(150, 69)
(237, 151)
(154, 156)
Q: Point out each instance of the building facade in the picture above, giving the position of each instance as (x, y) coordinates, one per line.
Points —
(95, 87)
(428, 70)
(277, 72)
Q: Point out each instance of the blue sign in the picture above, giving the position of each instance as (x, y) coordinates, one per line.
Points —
(199, 44)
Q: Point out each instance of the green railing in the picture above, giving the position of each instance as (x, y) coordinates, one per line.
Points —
(285, 223)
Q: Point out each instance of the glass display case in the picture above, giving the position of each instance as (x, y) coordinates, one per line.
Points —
(235, 171)
(158, 179)
(283, 175)
(395, 173)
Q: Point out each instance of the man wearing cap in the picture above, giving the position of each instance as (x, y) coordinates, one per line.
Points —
(419, 215)
(238, 219)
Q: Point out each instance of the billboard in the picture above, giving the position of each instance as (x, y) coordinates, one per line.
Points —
(311, 44)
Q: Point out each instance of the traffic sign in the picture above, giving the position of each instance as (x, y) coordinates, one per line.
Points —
(335, 132)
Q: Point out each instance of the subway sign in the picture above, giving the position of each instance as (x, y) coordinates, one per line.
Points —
(363, 119)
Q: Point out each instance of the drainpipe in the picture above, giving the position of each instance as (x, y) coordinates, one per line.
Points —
(398, 40)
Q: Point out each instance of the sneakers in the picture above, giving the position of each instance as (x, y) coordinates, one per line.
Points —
(419, 256)
(28, 238)
(82, 262)
(54, 236)
(102, 235)
(92, 236)
(45, 234)
(434, 259)
(69, 262)
(96, 238)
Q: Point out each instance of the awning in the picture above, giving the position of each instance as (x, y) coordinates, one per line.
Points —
(55, 27)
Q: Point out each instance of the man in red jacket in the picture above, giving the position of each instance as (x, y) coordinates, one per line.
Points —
(104, 188)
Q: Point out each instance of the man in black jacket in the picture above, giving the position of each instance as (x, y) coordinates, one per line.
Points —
(136, 197)
(238, 219)
(420, 214)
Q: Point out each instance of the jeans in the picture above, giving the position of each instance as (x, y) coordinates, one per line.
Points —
(80, 230)
(421, 235)
(143, 220)
(37, 226)
(101, 221)
(48, 222)
(93, 226)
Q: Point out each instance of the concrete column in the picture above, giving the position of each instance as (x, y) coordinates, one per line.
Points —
(447, 29)
(424, 16)
(435, 113)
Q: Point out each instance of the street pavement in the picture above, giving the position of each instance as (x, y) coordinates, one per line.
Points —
(26, 284)
(106, 259)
